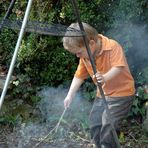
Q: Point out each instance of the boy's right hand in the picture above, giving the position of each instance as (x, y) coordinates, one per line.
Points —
(67, 101)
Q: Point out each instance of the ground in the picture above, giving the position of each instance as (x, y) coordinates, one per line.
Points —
(71, 136)
(73, 130)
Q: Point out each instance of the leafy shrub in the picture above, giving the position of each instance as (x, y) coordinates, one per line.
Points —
(42, 59)
(141, 94)
(139, 102)
(7, 45)
(96, 13)
(45, 61)
(89, 90)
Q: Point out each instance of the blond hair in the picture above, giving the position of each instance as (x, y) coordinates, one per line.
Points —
(71, 39)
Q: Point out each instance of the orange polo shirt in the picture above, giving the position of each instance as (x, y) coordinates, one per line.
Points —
(111, 55)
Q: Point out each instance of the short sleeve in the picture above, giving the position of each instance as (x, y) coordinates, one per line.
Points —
(81, 71)
(117, 57)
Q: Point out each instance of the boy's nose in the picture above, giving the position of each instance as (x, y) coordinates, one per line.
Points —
(78, 54)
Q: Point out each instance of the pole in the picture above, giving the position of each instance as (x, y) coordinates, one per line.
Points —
(7, 13)
(15, 52)
(94, 70)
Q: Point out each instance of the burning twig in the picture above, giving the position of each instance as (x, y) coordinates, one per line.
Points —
(54, 129)
(79, 137)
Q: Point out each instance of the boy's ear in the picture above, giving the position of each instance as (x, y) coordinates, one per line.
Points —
(92, 43)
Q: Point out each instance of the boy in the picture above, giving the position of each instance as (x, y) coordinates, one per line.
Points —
(112, 71)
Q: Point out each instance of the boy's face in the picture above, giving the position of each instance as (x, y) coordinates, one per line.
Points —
(81, 52)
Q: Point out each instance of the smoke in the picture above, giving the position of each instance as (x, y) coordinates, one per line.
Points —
(51, 107)
(134, 39)
(52, 104)
(131, 31)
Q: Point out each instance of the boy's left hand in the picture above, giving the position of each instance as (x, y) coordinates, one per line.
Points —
(99, 77)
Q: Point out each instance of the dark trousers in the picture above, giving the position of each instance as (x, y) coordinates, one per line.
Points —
(101, 132)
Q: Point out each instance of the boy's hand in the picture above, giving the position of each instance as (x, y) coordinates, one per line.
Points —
(67, 102)
(99, 77)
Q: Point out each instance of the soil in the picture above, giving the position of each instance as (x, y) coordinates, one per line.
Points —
(66, 137)
(73, 131)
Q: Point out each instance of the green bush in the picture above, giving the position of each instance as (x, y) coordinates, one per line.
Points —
(42, 59)
(7, 44)
(45, 61)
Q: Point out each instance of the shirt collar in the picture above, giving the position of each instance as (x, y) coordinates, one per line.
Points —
(105, 44)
